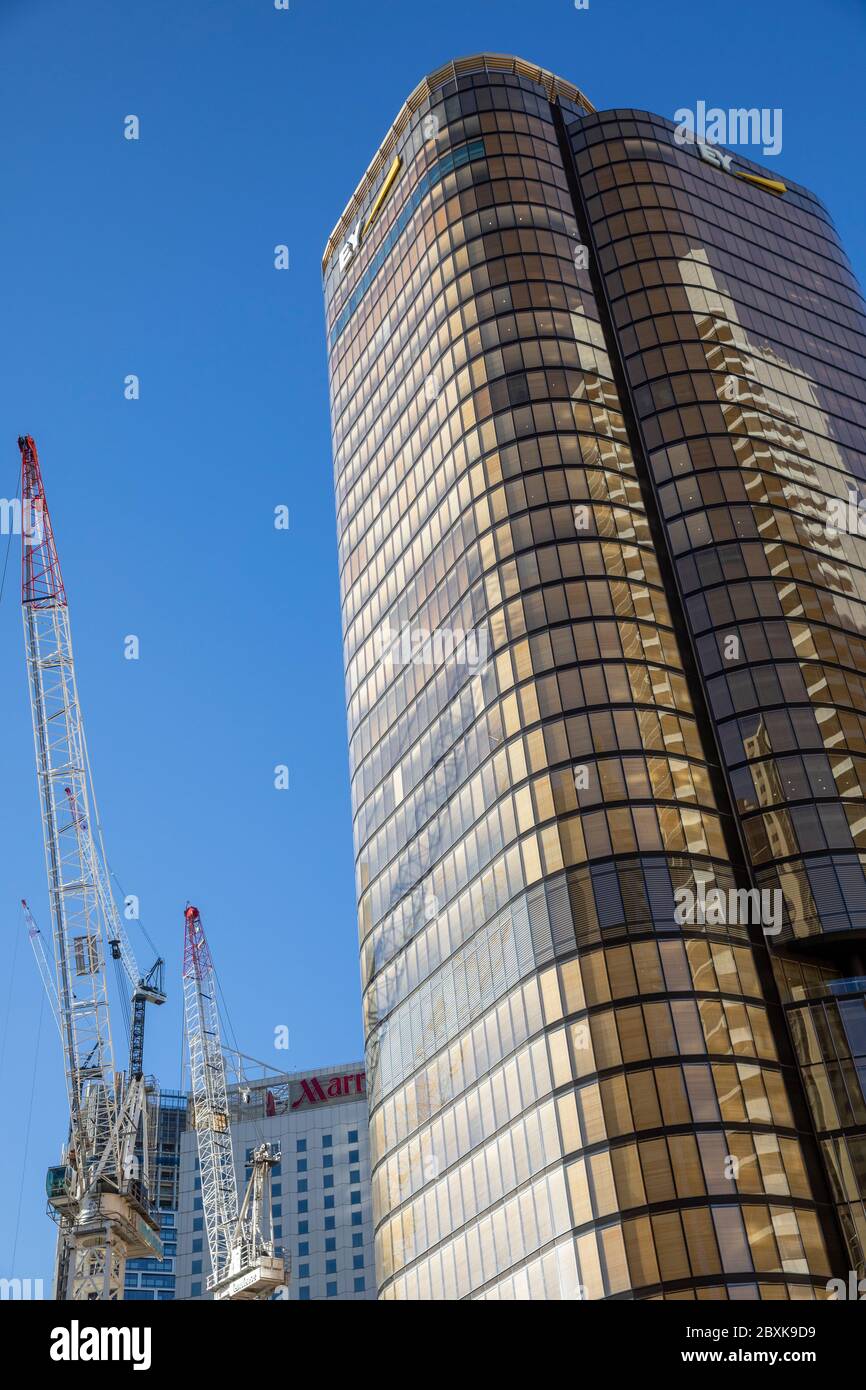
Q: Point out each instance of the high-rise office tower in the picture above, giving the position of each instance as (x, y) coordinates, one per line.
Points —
(598, 410)
(148, 1279)
(320, 1187)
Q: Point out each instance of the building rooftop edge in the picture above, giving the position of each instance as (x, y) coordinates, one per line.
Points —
(280, 1078)
(478, 62)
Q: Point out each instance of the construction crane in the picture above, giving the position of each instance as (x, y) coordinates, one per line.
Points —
(244, 1265)
(98, 1193)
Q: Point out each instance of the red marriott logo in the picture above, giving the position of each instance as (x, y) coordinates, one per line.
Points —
(335, 1088)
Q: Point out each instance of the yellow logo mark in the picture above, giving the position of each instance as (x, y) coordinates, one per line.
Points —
(382, 195)
(771, 185)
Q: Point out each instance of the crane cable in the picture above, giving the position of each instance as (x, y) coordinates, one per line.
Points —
(9, 544)
(239, 1068)
(27, 1128)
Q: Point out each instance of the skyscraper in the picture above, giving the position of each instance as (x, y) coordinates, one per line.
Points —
(597, 404)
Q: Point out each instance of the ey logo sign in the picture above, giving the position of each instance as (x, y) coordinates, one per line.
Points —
(363, 225)
(711, 154)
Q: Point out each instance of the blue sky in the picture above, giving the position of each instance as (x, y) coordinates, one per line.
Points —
(155, 257)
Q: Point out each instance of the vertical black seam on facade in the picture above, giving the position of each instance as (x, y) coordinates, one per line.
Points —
(700, 700)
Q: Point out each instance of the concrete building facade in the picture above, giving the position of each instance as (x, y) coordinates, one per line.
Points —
(320, 1187)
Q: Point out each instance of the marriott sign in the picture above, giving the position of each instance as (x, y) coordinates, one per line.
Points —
(314, 1090)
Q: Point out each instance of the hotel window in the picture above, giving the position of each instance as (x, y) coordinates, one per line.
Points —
(331, 1243)
(303, 1271)
(198, 1223)
(327, 1160)
(355, 1175)
(303, 1228)
(328, 1180)
(301, 1146)
(330, 1223)
(359, 1285)
(196, 1267)
(302, 1165)
(276, 1189)
(304, 1247)
(303, 1205)
(195, 1291)
(355, 1198)
(330, 1266)
(357, 1261)
(357, 1240)
(197, 1246)
(329, 1202)
(304, 1291)
(277, 1209)
(354, 1156)
(353, 1136)
(331, 1290)
(357, 1218)
(303, 1185)
(327, 1141)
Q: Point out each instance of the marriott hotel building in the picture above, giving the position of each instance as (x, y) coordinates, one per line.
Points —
(598, 403)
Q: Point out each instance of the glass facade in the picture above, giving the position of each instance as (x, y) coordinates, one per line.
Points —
(743, 341)
(149, 1280)
(574, 1092)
